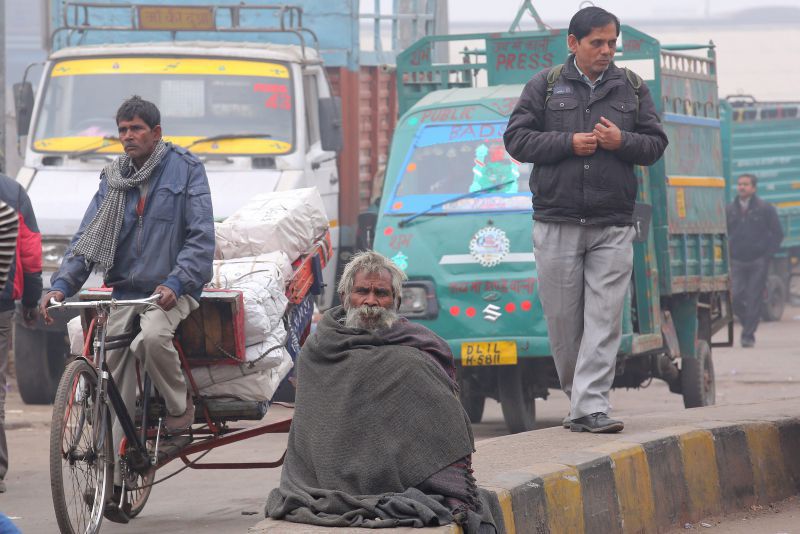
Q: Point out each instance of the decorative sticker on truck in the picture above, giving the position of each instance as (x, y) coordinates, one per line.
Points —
(489, 246)
(460, 167)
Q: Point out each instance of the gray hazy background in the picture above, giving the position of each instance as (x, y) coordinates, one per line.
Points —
(754, 40)
(652, 10)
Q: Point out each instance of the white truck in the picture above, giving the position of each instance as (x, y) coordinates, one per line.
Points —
(243, 86)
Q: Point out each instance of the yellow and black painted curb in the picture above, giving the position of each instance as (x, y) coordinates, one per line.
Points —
(654, 482)
(645, 482)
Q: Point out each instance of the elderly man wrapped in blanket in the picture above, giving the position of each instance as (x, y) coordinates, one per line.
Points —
(379, 437)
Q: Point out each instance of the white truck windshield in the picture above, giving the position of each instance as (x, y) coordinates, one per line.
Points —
(197, 97)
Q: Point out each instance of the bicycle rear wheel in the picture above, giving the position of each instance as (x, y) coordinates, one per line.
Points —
(81, 452)
(138, 494)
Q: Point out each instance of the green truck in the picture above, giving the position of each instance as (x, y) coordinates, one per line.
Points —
(455, 215)
(763, 138)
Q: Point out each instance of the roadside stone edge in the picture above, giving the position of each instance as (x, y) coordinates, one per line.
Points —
(647, 482)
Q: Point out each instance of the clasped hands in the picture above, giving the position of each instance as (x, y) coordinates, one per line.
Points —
(606, 135)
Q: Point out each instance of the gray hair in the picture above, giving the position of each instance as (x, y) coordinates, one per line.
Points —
(370, 262)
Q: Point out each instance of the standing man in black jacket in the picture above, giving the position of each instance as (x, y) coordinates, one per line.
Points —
(584, 125)
(754, 234)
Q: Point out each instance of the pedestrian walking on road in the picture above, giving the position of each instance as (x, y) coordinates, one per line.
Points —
(754, 234)
(20, 278)
(584, 125)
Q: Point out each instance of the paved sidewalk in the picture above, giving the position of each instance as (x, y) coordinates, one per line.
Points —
(663, 470)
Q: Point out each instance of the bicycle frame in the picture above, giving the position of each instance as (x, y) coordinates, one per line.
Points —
(108, 392)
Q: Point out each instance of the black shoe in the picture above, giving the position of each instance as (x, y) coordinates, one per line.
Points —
(597, 423)
(748, 342)
(567, 422)
(111, 510)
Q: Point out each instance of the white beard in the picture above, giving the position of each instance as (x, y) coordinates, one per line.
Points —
(370, 318)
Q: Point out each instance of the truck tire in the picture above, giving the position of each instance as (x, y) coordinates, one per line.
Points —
(775, 297)
(697, 377)
(519, 411)
(472, 401)
(40, 359)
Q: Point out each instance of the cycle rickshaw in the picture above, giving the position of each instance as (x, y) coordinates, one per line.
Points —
(82, 454)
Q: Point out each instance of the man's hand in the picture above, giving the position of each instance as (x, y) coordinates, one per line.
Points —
(609, 137)
(168, 299)
(58, 295)
(584, 144)
(29, 316)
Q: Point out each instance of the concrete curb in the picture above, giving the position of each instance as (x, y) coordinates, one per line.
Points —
(661, 472)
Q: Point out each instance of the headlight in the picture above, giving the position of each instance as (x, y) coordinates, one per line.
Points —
(419, 300)
(52, 253)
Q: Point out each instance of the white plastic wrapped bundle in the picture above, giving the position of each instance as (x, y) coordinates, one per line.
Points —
(288, 221)
(257, 383)
(261, 281)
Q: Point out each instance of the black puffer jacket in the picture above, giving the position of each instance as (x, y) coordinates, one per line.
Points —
(754, 233)
(595, 190)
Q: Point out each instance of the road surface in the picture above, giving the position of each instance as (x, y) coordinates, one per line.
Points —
(231, 501)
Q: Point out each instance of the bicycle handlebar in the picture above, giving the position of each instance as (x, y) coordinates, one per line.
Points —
(112, 303)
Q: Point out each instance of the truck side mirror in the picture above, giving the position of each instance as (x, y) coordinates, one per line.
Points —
(23, 105)
(330, 123)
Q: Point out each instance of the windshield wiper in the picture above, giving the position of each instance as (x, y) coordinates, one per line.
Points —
(471, 194)
(104, 144)
(225, 137)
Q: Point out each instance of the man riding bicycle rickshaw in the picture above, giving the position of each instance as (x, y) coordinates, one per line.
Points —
(150, 230)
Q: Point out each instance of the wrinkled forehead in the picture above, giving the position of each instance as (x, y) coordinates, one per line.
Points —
(382, 279)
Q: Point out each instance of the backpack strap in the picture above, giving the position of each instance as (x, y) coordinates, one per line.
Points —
(636, 82)
(552, 78)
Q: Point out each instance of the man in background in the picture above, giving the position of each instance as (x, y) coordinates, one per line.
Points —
(20, 278)
(754, 234)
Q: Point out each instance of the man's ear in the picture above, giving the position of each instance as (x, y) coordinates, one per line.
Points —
(157, 131)
(572, 43)
(399, 302)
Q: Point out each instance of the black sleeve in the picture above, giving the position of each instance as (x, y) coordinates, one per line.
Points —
(775, 229)
(525, 138)
(646, 144)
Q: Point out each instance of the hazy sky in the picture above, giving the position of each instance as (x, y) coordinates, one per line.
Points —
(560, 10)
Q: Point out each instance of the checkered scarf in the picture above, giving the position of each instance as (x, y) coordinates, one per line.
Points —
(98, 244)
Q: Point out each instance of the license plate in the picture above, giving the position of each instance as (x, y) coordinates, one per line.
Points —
(480, 353)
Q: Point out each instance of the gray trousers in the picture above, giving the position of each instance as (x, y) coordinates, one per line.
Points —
(584, 274)
(748, 281)
(6, 321)
(153, 348)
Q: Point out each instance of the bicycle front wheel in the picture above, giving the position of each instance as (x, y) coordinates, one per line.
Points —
(81, 451)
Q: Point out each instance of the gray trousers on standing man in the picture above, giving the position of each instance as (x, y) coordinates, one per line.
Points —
(584, 275)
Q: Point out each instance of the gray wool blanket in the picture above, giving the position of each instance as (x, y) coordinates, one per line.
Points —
(373, 420)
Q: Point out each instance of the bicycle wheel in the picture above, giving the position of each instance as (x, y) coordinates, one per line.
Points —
(81, 452)
(139, 491)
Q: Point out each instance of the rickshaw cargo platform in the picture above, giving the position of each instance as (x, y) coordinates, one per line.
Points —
(213, 337)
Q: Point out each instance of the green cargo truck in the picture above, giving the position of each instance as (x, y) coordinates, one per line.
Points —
(455, 215)
(763, 138)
